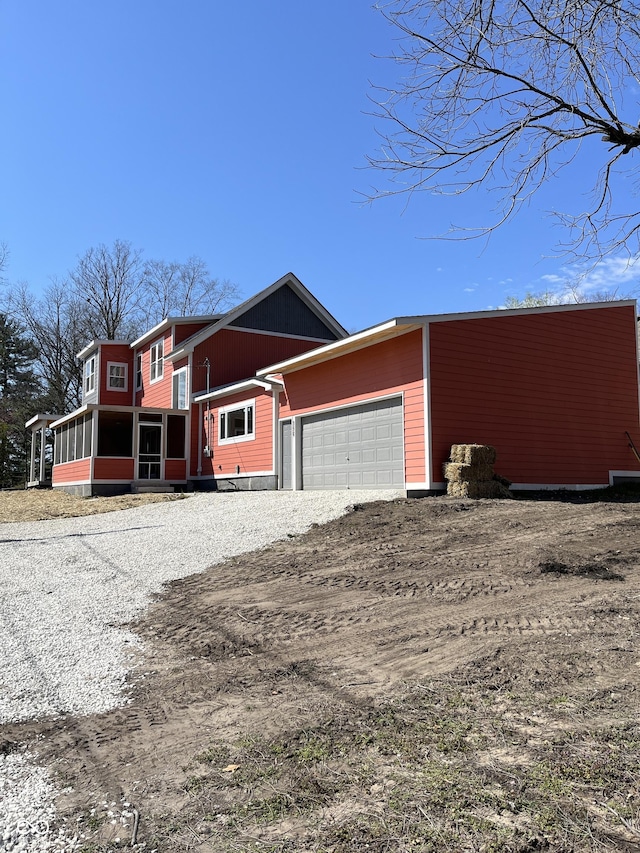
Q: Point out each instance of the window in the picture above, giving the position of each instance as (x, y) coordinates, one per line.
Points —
(236, 423)
(90, 375)
(116, 376)
(179, 396)
(138, 371)
(156, 365)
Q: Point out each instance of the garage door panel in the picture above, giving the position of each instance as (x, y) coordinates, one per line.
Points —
(361, 447)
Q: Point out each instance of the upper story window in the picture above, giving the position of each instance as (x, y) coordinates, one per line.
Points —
(179, 390)
(236, 423)
(138, 371)
(116, 376)
(156, 365)
(90, 375)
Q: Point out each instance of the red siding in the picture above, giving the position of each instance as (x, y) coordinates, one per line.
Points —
(236, 355)
(250, 456)
(378, 370)
(175, 469)
(186, 330)
(72, 472)
(110, 468)
(156, 394)
(553, 392)
(119, 354)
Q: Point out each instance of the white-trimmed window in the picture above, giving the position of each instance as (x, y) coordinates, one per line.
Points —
(138, 371)
(116, 376)
(236, 423)
(156, 366)
(90, 375)
(179, 389)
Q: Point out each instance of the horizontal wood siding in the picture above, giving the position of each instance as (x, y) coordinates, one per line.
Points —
(236, 355)
(113, 468)
(72, 472)
(175, 469)
(553, 392)
(250, 456)
(158, 394)
(393, 366)
(119, 354)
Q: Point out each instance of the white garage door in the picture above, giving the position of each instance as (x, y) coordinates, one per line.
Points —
(356, 448)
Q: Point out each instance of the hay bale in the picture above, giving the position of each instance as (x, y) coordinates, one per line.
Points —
(460, 472)
(470, 474)
(478, 489)
(473, 454)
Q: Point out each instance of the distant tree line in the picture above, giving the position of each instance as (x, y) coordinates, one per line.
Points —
(112, 293)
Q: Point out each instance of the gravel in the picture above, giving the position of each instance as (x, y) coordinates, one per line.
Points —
(69, 585)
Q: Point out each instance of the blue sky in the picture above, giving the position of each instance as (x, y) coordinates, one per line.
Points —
(237, 132)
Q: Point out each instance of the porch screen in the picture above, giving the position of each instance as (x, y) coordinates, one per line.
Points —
(175, 436)
(115, 434)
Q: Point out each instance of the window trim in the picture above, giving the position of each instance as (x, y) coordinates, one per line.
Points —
(138, 366)
(156, 363)
(111, 387)
(89, 375)
(183, 371)
(245, 405)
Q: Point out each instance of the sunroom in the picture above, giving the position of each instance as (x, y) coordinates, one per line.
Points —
(107, 450)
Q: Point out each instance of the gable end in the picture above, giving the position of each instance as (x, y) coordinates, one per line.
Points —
(285, 312)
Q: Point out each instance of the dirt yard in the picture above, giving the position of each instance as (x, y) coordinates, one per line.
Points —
(41, 504)
(423, 675)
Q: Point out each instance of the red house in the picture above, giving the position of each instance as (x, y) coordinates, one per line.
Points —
(275, 394)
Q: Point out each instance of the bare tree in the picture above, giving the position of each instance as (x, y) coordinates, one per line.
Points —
(109, 279)
(502, 94)
(183, 289)
(58, 325)
(4, 260)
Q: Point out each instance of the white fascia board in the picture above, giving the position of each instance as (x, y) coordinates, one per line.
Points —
(162, 326)
(376, 334)
(274, 380)
(88, 407)
(45, 420)
(90, 347)
(514, 312)
(236, 388)
(165, 324)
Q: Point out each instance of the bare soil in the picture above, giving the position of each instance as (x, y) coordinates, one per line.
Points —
(42, 504)
(421, 675)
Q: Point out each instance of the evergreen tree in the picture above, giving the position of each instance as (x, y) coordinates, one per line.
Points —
(20, 393)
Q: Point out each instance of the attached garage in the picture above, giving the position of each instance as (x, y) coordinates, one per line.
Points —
(359, 447)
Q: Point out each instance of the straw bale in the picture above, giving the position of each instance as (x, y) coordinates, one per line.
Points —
(458, 472)
(478, 489)
(473, 454)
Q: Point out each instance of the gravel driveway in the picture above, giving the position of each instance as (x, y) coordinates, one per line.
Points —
(68, 585)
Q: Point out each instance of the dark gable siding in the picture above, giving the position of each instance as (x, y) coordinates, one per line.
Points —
(283, 311)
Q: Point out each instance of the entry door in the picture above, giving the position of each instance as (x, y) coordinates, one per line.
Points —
(149, 451)
(285, 455)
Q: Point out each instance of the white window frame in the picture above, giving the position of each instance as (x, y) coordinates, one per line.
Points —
(156, 361)
(110, 376)
(138, 371)
(179, 376)
(89, 377)
(223, 411)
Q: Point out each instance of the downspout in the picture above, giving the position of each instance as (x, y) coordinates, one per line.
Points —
(199, 471)
(207, 364)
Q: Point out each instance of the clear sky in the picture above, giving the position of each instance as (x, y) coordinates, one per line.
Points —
(238, 132)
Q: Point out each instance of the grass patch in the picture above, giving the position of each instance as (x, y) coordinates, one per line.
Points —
(413, 775)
